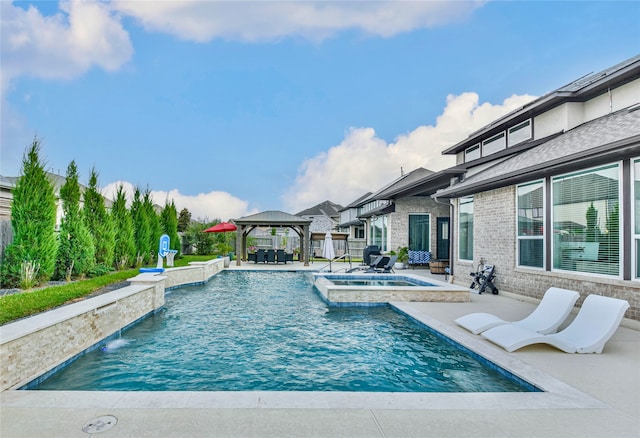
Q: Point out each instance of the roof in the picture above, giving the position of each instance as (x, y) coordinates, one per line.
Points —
(579, 90)
(609, 138)
(326, 208)
(402, 182)
(272, 219)
(357, 202)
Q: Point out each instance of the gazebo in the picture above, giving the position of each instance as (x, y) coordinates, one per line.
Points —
(272, 219)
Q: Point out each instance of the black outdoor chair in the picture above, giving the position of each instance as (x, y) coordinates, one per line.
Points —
(271, 256)
(281, 256)
(260, 256)
(378, 263)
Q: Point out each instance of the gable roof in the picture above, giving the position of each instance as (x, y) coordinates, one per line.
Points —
(326, 208)
(579, 90)
(609, 138)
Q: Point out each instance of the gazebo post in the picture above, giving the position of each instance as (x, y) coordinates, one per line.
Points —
(305, 244)
(240, 239)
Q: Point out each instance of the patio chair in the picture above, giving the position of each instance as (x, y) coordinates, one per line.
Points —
(281, 257)
(260, 256)
(271, 256)
(388, 267)
(597, 320)
(377, 263)
(553, 309)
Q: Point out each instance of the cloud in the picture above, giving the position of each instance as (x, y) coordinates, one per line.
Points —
(364, 163)
(61, 46)
(204, 21)
(204, 206)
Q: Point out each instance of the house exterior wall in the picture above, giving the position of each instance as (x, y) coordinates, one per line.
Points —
(494, 240)
(399, 220)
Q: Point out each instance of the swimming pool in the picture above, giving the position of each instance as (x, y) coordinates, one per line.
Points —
(248, 331)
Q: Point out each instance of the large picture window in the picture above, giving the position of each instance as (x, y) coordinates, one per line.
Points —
(586, 221)
(465, 228)
(378, 232)
(530, 239)
(419, 232)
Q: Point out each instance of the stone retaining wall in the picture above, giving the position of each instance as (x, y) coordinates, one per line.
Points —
(33, 346)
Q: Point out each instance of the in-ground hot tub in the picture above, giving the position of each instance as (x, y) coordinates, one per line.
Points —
(381, 288)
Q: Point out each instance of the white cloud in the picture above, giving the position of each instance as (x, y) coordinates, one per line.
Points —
(63, 45)
(266, 20)
(364, 163)
(204, 206)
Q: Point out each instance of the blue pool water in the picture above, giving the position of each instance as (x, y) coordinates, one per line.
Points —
(245, 331)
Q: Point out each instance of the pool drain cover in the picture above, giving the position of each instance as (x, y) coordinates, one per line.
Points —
(100, 424)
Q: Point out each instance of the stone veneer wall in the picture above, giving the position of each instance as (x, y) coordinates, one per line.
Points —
(33, 346)
(494, 230)
(399, 220)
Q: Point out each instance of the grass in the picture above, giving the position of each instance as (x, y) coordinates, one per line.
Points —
(27, 303)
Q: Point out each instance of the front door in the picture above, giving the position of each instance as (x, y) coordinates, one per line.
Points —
(442, 244)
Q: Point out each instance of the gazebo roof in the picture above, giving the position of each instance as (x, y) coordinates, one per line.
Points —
(272, 218)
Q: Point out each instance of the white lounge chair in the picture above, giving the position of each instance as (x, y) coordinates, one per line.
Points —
(555, 306)
(596, 322)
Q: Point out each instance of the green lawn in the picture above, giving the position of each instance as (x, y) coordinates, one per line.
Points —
(27, 303)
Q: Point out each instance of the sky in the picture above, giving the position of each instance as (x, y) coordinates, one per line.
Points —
(233, 108)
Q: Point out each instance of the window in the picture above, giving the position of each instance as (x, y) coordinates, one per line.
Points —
(465, 231)
(530, 238)
(472, 153)
(358, 232)
(586, 221)
(494, 144)
(378, 232)
(419, 232)
(636, 215)
(520, 133)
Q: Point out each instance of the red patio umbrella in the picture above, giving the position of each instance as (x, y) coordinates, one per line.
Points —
(222, 227)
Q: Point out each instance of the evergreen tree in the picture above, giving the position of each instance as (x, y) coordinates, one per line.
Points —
(99, 222)
(141, 229)
(169, 220)
(155, 227)
(76, 253)
(125, 244)
(184, 220)
(30, 259)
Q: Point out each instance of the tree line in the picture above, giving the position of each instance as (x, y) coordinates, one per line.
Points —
(91, 240)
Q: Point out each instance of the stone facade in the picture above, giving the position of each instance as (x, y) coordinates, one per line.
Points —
(399, 220)
(494, 231)
(33, 346)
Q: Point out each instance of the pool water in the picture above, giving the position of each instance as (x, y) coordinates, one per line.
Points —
(247, 331)
(376, 283)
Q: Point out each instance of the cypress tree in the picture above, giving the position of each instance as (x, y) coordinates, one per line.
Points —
(30, 259)
(169, 221)
(99, 223)
(76, 253)
(141, 229)
(155, 227)
(125, 246)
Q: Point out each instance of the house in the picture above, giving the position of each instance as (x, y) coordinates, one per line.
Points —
(324, 216)
(550, 193)
(402, 213)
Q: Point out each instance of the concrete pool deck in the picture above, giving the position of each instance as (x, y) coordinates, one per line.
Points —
(595, 395)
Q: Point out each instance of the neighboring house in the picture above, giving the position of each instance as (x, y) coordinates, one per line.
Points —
(550, 193)
(324, 216)
(352, 225)
(403, 214)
